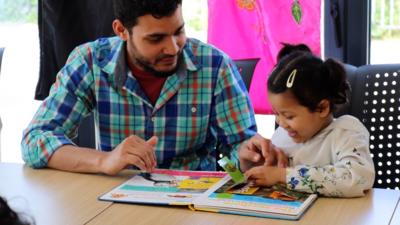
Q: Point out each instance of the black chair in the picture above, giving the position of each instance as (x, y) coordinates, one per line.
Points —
(86, 133)
(246, 69)
(375, 101)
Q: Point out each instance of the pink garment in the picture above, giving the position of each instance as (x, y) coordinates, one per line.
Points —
(256, 29)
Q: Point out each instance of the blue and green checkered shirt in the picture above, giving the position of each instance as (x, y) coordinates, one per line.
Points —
(205, 102)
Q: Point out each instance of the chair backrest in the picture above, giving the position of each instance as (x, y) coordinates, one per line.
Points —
(351, 72)
(86, 133)
(246, 69)
(375, 101)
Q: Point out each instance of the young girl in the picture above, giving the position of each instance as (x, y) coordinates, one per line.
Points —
(327, 156)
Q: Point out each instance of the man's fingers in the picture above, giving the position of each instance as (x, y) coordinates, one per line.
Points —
(146, 157)
(153, 142)
(282, 158)
(135, 140)
(143, 150)
(136, 161)
(249, 155)
(270, 157)
(265, 147)
(149, 160)
(262, 145)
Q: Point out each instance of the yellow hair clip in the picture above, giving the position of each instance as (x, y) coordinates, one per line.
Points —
(290, 80)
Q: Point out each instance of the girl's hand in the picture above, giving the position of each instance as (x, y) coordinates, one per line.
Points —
(266, 175)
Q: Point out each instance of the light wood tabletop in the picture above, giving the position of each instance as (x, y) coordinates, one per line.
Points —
(56, 197)
(376, 208)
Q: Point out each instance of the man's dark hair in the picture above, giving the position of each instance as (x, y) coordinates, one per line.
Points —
(127, 11)
(9, 216)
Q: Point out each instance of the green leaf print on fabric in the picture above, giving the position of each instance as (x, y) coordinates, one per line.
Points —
(307, 181)
(296, 11)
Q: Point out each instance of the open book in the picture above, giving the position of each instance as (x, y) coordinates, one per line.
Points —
(210, 191)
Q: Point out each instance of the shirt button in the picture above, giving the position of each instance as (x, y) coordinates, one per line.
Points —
(153, 119)
(194, 109)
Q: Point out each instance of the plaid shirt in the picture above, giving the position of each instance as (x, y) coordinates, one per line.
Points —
(203, 103)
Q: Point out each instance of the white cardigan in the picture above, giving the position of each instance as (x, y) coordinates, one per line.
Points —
(335, 162)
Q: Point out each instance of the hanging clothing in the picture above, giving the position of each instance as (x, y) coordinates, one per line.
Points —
(63, 25)
(256, 29)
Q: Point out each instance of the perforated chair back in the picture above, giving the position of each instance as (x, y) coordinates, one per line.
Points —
(375, 100)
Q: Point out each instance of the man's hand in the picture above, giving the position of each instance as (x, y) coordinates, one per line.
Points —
(282, 160)
(259, 151)
(266, 175)
(132, 151)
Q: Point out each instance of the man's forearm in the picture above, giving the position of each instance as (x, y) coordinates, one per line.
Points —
(76, 159)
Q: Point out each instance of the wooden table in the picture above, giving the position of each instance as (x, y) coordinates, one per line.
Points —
(55, 197)
(376, 208)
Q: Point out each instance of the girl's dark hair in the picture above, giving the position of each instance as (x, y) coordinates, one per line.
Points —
(314, 79)
(10, 217)
(288, 48)
(127, 11)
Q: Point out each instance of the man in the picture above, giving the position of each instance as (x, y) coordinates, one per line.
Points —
(159, 99)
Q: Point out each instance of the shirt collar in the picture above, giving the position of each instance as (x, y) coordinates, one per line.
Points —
(118, 67)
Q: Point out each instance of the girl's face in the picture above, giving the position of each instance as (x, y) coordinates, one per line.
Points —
(300, 123)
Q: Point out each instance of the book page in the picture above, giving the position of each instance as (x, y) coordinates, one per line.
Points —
(171, 187)
(276, 201)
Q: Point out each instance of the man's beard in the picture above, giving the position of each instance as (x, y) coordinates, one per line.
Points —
(148, 68)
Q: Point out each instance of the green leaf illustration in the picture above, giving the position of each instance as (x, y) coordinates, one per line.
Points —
(296, 11)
